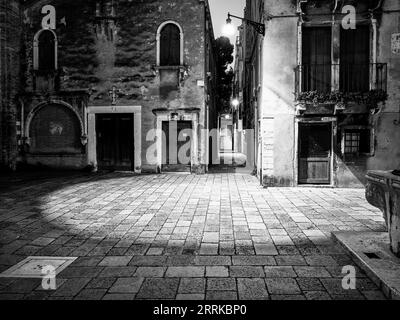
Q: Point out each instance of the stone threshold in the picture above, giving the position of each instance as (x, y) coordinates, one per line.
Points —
(371, 252)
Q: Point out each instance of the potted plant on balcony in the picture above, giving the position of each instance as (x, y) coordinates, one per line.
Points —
(373, 99)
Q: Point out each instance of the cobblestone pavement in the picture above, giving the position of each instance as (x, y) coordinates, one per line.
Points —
(175, 236)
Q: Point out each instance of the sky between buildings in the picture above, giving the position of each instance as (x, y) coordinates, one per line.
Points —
(219, 13)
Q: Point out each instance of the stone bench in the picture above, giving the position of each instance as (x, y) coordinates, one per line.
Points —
(383, 192)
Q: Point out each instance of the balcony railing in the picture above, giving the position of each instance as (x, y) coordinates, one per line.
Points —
(347, 78)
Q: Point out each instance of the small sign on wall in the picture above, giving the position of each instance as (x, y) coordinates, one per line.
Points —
(396, 43)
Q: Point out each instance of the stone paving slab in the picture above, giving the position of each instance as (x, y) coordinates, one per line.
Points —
(192, 285)
(217, 271)
(279, 272)
(252, 289)
(159, 289)
(221, 284)
(190, 296)
(172, 236)
(127, 285)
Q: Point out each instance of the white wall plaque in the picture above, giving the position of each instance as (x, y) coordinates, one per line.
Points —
(396, 43)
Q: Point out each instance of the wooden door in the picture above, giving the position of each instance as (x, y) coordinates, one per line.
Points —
(176, 145)
(115, 141)
(315, 153)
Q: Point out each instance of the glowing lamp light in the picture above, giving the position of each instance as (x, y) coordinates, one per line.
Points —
(229, 29)
(235, 103)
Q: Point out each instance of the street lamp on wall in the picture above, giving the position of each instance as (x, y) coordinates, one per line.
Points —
(229, 29)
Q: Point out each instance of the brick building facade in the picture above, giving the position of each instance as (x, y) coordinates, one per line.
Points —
(101, 81)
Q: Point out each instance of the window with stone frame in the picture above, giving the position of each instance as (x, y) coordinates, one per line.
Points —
(357, 141)
(46, 60)
(355, 59)
(170, 45)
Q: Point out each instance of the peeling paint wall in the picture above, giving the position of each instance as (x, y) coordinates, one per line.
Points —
(387, 153)
(101, 46)
(280, 58)
(277, 102)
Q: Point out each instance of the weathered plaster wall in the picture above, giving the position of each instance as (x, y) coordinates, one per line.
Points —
(387, 134)
(99, 54)
(277, 103)
(10, 41)
(279, 61)
(387, 154)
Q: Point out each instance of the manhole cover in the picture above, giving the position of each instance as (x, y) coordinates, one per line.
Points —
(31, 267)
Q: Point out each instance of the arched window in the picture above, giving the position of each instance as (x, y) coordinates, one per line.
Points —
(45, 50)
(170, 44)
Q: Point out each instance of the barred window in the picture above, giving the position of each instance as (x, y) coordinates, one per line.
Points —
(357, 141)
(354, 59)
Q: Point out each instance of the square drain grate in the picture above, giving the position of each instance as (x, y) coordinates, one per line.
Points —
(372, 255)
(31, 267)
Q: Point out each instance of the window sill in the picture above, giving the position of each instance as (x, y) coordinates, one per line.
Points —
(170, 67)
(46, 72)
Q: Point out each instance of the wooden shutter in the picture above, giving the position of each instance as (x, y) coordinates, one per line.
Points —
(354, 59)
(316, 69)
(170, 50)
(46, 51)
